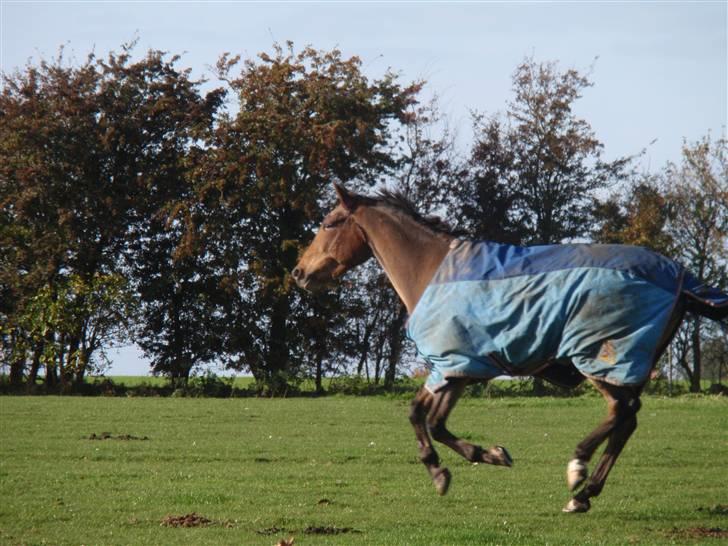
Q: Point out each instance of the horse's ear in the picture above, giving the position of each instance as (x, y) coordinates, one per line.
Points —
(348, 200)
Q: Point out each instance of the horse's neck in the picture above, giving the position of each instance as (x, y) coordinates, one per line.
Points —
(409, 252)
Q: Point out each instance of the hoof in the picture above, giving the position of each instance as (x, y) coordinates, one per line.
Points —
(499, 455)
(576, 506)
(442, 481)
(576, 473)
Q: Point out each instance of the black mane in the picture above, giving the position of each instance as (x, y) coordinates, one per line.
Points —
(399, 201)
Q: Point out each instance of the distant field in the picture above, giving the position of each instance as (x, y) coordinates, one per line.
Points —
(135, 380)
(343, 470)
(354, 385)
(239, 382)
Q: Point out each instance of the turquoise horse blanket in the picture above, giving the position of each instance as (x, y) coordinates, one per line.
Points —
(494, 309)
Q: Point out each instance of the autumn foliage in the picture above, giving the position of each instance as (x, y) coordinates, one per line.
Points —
(138, 204)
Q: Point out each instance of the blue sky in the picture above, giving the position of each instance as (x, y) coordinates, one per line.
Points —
(661, 73)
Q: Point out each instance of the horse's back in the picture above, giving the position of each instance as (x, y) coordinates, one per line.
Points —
(492, 308)
(486, 260)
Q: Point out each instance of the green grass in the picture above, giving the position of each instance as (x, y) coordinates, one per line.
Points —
(268, 469)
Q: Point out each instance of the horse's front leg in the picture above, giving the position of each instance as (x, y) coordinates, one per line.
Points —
(418, 417)
(442, 404)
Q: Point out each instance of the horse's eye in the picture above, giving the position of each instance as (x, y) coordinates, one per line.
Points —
(332, 225)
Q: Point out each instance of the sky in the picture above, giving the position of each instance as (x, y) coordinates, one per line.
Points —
(660, 69)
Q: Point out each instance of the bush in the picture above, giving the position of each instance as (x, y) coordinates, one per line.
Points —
(518, 387)
(210, 385)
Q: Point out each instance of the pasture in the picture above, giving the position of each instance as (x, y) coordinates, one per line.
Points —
(344, 470)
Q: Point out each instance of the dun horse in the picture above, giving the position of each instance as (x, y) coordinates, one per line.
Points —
(479, 310)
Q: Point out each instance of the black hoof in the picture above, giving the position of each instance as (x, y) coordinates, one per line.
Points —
(441, 480)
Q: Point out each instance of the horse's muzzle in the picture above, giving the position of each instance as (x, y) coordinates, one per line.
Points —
(312, 277)
(307, 281)
(300, 277)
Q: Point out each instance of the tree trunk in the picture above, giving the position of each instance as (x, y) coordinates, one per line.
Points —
(319, 375)
(66, 363)
(34, 367)
(51, 376)
(17, 367)
(696, 376)
(276, 362)
(364, 345)
(82, 361)
(395, 347)
(378, 357)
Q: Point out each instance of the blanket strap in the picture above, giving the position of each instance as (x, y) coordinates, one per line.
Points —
(507, 369)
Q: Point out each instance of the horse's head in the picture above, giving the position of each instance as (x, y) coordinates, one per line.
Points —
(339, 245)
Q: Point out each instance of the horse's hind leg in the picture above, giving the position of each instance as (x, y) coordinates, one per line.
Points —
(619, 425)
(576, 471)
(443, 403)
(418, 417)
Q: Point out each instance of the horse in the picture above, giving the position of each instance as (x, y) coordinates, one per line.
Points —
(477, 310)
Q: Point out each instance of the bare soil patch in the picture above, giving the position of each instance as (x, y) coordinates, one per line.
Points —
(270, 531)
(329, 530)
(188, 520)
(109, 436)
(698, 533)
(715, 510)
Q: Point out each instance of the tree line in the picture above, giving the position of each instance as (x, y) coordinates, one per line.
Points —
(138, 204)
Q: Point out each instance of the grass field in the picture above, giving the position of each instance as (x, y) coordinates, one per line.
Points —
(343, 470)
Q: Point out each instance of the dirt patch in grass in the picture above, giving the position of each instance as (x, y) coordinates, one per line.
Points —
(188, 520)
(329, 530)
(698, 533)
(109, 436)
(715, 510)
(270, 531)
(263, 460)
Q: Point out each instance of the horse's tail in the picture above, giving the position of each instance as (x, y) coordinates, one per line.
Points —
(713, 305)
(714, 312)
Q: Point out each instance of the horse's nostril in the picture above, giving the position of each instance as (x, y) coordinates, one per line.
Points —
(296, 273)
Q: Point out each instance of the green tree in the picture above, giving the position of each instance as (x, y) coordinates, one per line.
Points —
(88, 154)
(180, 296)
(698, 226)
(102, 306)
(535, 169)
(300, 120)
(638, 216)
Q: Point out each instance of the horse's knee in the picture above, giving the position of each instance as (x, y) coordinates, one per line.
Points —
(438, 430)
(628, 407)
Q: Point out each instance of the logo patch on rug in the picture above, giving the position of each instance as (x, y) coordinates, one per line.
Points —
(608, 353)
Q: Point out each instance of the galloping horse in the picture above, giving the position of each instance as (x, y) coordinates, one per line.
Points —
(478, 310)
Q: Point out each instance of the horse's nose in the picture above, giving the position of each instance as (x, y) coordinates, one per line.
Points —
(299, 276)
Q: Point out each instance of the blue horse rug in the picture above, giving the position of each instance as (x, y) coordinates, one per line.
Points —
(494, 309)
